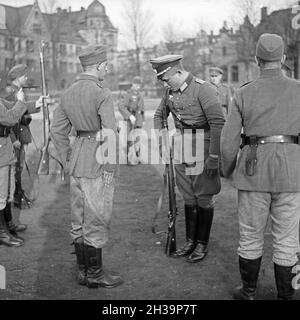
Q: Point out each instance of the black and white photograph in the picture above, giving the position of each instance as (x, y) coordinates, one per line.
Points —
(149, 153)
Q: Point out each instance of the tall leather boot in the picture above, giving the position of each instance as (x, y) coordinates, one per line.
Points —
(11, 226)
(283, 278)
(81, 262)
(249, 270)
(96, 276)
(5, 237)
(204, 222)
(190, 228)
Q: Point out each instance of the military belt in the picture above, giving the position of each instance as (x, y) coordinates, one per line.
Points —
(271, 139)
(87, 134)
(4, 131)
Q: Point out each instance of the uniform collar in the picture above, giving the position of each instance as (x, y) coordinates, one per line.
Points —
(84, 76)
(186, 82)
(270, 73)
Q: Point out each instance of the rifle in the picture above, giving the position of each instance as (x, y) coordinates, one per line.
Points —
(43, 168)
(172, 214)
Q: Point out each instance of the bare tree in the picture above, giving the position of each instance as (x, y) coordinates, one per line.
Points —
(48, 6)
(250, 8)
(139, 22)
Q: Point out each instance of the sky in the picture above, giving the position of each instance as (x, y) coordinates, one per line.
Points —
(189, 16)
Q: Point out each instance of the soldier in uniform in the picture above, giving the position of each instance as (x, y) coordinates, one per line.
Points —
(216, 76)
(89, 109)
(10, 114)
(266, 172)
(131, 107)
(21, 135)
(194, 105)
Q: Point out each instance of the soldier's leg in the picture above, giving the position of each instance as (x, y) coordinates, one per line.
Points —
(205, 214)
(131, 147)
(77, 207)
(184, 184)
(285, 215)
(5, 237)
(98, 201)
(253, 212)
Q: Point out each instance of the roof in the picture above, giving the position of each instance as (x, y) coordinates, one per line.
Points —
(63, 25)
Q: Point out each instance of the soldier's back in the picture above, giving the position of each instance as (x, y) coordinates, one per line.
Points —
(270, 105)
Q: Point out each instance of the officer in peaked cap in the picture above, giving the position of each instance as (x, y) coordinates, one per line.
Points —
(194, 105)
(131, 107)
(88, 108)
(216, 76)
(266, 171)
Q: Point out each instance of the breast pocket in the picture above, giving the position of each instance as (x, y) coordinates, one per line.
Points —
(3, 142)
(190, 107)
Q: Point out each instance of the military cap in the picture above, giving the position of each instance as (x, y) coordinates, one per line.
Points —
(92, 55)
(215, 71)
(270, 47)
(163, 64)
(137, 80)
(17, 71)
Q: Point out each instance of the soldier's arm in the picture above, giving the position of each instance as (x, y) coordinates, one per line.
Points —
(60, 129)
(31, 107)
(108, 119)
(231, 137)
(161, 112)
(11, 113)
(122, 106)
(208, 98)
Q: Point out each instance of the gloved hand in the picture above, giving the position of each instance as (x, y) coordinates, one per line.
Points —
(41, 99)
(20, 95)
(211, 166)
(17, 144)
(108, 178)
(132, 119)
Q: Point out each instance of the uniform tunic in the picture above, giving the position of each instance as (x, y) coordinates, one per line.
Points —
(87, 107)
(268, 106)
(197, 104)
(10, 114)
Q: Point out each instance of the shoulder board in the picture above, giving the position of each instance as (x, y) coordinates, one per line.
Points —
(199, 81)
(243, 85)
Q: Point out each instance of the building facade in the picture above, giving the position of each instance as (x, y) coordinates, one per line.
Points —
(64, 32)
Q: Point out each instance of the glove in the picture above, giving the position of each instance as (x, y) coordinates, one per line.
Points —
(132, 119)
(108, 178)
(17, 144)
(211, 166)
(20, 95)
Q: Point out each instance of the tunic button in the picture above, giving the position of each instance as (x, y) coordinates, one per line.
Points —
(0, 145)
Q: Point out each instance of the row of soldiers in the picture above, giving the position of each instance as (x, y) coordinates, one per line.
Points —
(265, 172)
(15, 136)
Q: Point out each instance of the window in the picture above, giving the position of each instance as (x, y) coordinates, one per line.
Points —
(8, 64)
(235, 73)
(37, 28)
(62, 49)
(225, 74)
(224, 50)
(63, 67)
(78, 50)
(71, 67)
(9, 44)
(29, 46)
